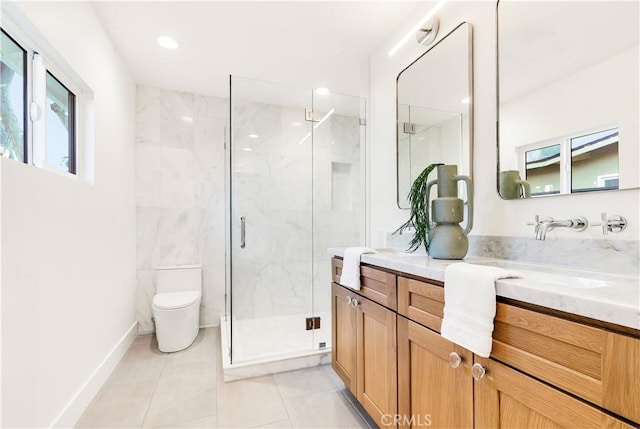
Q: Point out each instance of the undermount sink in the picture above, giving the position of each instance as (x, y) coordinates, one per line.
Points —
(565, 280)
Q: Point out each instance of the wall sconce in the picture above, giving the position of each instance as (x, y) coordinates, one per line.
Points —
(428, 32)
(423, 25)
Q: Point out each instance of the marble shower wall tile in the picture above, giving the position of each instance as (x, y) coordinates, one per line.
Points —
(180, 193)
(337, 145)
(283, 186)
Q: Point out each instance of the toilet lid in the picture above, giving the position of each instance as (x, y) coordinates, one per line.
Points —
(175, 300)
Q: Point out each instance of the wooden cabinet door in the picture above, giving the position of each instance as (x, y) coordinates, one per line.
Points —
(506, 398)
(430, 391)
(343, 336)
(377, 377)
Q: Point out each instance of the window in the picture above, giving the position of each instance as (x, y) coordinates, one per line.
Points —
(60, 126)
(543, 170)
(581, 162)
(39, 113)
(594, 161)
(13, 96)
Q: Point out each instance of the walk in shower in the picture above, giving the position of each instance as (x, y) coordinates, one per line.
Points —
(296, 187)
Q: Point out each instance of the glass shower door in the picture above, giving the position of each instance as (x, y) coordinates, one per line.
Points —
(271, 262)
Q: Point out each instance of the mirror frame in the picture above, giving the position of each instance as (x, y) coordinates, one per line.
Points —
(471, 105)
(497, 12)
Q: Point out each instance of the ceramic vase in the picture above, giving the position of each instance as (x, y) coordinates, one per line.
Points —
(447, 239)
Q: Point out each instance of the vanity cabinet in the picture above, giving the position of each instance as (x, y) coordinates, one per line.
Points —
(435, 387)
(377, 285)
(546, 369)
(343, 332)
(421, 301)
(597, 365)
(506, 398)
(364, 351)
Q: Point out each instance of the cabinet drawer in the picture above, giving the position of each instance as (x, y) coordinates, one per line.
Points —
(377, 285)
(422, 302)
(507, 398)
(592, 363)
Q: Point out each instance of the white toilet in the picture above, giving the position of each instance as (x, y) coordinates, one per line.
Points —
(176, 306)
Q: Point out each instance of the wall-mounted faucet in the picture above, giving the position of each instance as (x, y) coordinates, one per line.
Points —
(543, 225)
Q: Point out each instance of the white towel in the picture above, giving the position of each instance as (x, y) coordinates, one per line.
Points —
(470, 305)
(351, 266)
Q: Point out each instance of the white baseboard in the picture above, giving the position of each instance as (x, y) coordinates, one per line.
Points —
(79, 403)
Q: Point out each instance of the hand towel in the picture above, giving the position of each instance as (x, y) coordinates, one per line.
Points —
(351, 266)
(470, 305)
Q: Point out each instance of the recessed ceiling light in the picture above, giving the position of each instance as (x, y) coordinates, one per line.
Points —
(187, 118)
(466, 100)
(295, 124)
(322, 91)
(167, 42)
(253, 136)
(247, 149)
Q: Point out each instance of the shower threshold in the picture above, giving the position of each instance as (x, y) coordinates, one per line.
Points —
(262, 348)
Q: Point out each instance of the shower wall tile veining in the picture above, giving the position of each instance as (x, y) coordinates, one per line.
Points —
(303, 189)
(180, 191)
(280, 195)
(295, 191)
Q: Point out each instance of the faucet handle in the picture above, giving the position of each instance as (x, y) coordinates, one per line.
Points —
(603, 224)
(535, 222)
(615, 223)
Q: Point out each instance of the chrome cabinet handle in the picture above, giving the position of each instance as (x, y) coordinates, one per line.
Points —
(354, 303)
(478, 371)
(348, 300)
(454, 360)
(243, 222)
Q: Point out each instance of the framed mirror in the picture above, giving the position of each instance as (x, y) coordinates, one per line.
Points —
(568, 111)
(434, 110)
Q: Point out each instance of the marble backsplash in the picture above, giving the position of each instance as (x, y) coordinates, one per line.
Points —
(613, 256)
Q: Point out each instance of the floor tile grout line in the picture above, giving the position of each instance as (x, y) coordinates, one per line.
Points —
(284, 404)
(155, 389)
(304, 395)
(188, 420)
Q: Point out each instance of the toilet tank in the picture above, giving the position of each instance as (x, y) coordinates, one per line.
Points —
(178, 278)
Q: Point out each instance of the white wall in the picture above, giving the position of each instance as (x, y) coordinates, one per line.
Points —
(564, 108)
(68, 261)
(493, 216)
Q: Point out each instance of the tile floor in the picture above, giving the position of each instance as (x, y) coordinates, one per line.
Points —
(185, 390)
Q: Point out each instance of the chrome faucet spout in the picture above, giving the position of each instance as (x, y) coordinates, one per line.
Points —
(542, 226)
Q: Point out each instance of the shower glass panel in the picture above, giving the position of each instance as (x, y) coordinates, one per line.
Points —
(296, 187)
(338, 193)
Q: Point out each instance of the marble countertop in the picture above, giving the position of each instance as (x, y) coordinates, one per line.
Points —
(602, 296)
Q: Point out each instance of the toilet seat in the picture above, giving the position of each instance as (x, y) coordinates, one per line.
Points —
(175, 300)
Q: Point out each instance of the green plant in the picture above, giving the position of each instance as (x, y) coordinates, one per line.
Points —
(419, 210)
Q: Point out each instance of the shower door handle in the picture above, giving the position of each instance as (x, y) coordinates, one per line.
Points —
(243, 222)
